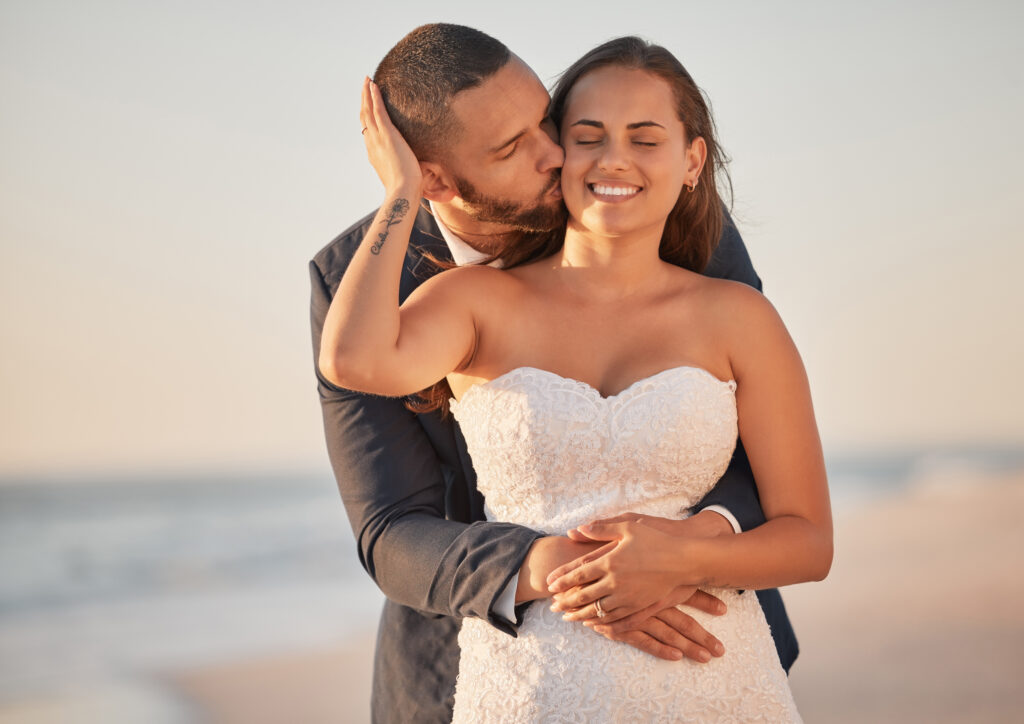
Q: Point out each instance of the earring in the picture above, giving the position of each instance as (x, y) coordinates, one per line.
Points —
(690, 188)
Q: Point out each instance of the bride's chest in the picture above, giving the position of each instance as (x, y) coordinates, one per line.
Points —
(534, 433)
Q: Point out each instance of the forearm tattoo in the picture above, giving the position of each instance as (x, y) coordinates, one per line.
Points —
(395, 215)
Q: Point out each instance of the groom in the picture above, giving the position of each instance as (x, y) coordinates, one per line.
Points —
(476, 116)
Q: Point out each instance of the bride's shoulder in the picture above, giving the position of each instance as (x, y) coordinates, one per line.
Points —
(472, 282)
(737, 305)
(471, 275)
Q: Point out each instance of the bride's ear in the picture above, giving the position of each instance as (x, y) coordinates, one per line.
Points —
(695, 155)
(438, 184)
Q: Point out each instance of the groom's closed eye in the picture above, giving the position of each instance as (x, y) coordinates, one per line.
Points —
(506, 149)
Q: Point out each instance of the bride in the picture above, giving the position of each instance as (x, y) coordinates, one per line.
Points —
(605, 377)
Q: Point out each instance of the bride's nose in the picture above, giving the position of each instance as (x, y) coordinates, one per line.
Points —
(614, 156)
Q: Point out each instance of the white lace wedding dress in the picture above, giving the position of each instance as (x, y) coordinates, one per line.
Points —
(551, 453)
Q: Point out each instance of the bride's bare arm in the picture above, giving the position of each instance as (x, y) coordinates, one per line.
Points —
(777, 425)
(776, 418)
(369, 344)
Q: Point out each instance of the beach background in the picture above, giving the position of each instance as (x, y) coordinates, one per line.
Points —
(172, 544)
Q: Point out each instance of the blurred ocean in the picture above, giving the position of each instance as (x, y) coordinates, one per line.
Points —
(113, 580)
(125, 580)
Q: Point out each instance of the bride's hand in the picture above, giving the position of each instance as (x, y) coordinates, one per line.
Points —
(390, 155)
(634, 569)
(629, 573)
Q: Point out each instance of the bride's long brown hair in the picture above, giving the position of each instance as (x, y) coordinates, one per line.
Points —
(694, 225)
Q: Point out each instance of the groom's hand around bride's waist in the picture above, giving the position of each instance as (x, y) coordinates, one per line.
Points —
(668, 633)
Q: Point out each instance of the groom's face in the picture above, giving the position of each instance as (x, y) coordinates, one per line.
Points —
(505, 162)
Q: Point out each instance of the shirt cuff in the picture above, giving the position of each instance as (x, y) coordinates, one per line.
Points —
(505, 606)
(724, 512)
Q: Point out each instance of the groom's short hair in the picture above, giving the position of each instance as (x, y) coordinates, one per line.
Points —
(420, 77)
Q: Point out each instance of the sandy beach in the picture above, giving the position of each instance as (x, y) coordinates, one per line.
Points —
(920, 620)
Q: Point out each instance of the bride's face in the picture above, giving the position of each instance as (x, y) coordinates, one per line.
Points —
(626, 153)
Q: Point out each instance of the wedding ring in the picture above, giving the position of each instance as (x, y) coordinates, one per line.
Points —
(600, 611)
(364, 130)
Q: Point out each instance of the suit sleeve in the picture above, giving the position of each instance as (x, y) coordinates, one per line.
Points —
(737, 490)
(393, 488)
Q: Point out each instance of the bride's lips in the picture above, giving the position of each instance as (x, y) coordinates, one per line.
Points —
(613, 193)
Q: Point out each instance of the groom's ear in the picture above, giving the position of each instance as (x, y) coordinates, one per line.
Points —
(438, 184)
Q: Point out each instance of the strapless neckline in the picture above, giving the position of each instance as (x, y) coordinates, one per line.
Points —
(590, 390)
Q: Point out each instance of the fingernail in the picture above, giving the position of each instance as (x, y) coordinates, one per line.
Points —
(718, 649)
(704, 656)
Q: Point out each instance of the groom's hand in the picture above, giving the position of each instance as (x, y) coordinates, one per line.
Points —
(668, 633)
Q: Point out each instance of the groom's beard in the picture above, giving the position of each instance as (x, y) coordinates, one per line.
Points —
(545, 214)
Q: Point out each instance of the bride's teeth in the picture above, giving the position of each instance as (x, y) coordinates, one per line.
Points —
(614, 190)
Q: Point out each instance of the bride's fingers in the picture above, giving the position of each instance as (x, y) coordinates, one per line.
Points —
(592, 613)
(575, 535)
(579, 598)
(623, 620)
(610, 616)
(577, 572)
(620, 518)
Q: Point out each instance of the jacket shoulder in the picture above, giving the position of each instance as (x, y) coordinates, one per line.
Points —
(334, 258)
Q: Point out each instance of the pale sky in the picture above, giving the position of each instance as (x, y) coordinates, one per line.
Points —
(167, 170)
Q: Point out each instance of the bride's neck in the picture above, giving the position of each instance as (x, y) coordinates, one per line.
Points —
(608, 267)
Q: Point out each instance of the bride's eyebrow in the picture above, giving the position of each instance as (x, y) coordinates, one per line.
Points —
(629, 127)
(643, 124)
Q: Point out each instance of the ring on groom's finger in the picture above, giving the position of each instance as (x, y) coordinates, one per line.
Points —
(600, 611)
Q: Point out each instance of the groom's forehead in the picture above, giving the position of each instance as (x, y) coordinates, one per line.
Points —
(508, 102)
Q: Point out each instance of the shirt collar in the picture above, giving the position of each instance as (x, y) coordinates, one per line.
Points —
(462, 253)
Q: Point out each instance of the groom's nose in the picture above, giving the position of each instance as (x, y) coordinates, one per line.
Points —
(552, 155)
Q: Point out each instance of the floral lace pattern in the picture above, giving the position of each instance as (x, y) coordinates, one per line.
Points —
(551, 453)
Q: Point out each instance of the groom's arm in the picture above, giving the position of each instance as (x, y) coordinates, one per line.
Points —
(736, 492)
(393, 488)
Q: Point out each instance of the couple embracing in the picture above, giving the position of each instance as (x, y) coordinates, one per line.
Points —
(566, 494)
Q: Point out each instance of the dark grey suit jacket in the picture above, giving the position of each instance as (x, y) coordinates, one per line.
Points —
(410, 492)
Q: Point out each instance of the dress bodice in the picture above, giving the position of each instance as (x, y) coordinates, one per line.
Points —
(551, 453)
